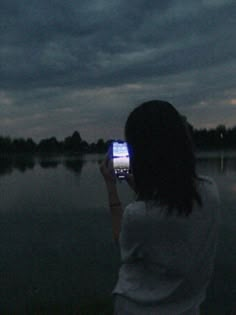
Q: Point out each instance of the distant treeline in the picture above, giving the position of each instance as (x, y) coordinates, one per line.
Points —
(212, 139)
(73, 144)
(204, 139)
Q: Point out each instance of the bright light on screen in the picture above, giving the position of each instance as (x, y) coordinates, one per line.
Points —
(120, 156)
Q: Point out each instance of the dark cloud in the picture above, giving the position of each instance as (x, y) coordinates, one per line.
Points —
(129, 51)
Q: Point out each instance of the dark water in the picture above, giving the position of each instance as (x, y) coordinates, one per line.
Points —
(55, 236)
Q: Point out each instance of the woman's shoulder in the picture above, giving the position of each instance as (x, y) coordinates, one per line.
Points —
(205, 179)
(206, 182)
(208, 189)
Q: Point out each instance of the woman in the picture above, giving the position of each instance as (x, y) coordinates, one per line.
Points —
(167, 236)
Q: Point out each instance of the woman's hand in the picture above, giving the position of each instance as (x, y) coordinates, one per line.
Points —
(130, 181)
(113, 198)
(107, 171)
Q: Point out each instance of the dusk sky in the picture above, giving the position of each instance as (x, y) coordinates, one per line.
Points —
(84, 65)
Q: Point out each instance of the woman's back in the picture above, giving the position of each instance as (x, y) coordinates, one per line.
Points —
(167, 259)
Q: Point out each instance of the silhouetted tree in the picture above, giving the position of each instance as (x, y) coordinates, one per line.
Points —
(230, 139)
(100, 145)
(50, 145)
(23, 146)
(217, 138)
(30, 145)
(73, 144)
(84, 146)
(92, 147)
(5, 145)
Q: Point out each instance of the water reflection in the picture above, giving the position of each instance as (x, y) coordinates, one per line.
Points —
(8, 164)
(49, 163)
(48, 223)
(23, 163)
(74, 165)
(217, 165)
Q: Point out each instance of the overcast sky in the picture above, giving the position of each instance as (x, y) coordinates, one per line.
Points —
(69, 65)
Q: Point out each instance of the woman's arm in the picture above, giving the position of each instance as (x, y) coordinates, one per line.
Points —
(113, 197)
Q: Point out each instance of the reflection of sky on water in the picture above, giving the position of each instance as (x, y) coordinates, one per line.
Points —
(209, 164)
(56, 211)
(89, 180)
(217, 165)
(24, 163)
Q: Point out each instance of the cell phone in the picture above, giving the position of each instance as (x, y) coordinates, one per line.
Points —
(120, 158)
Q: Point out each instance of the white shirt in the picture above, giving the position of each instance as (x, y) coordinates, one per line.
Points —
(167, 260)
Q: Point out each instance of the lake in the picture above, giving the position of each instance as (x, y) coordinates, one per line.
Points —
(56, 250)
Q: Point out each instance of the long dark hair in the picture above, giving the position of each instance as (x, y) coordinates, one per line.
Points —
(162, 156)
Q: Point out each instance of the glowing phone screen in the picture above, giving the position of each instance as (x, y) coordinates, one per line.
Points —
(121, 159)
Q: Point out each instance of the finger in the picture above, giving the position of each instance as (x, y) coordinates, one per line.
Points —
(130, 180)
(104, 160)
(106, 167)
(103, 167)
(107, 159)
